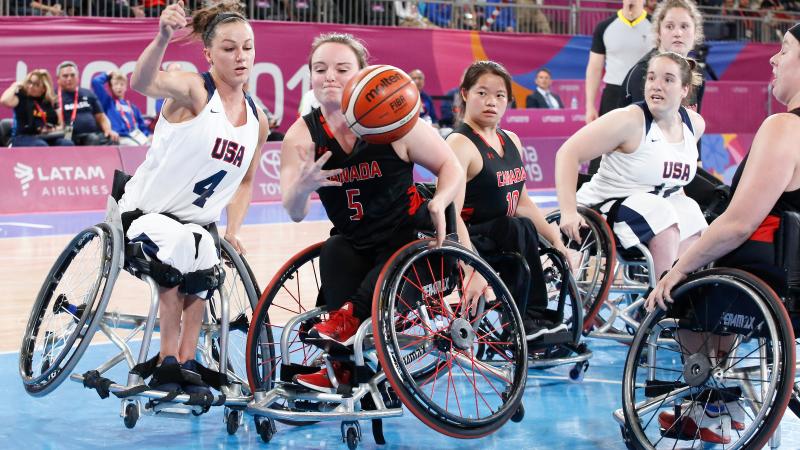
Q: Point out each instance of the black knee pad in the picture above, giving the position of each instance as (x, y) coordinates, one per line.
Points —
(202, 280)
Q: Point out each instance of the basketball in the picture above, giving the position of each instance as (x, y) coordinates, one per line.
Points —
(381, 104)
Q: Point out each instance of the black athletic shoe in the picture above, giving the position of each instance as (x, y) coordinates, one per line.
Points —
(193, 382)
(166, 375)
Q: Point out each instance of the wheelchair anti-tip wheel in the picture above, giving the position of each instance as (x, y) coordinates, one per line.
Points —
(727, 375)
(66, 311)
(294, 290)
(426, 340)
(592, 261)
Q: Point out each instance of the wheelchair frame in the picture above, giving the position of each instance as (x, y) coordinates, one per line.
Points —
(134, 393)
(377, 388)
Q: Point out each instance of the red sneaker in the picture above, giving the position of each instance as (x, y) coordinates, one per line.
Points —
(696, 423)
(319, 381)
(340, 327)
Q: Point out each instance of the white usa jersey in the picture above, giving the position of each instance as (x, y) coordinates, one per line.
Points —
(193, 168)
(656, 166)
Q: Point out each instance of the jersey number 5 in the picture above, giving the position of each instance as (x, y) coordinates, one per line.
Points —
(354, 205)
(205, 188)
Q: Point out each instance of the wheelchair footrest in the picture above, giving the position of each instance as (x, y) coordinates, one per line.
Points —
(557, 338)
(332, 348)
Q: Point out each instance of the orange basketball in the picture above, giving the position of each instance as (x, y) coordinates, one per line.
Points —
(381, 104)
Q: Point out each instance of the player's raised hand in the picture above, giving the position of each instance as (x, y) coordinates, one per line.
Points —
(311, 175)
(173, 18)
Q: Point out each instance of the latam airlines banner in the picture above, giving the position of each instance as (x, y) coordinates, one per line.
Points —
(34, 180)
(280, 75)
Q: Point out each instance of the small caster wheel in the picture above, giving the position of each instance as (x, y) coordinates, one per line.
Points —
(576, 373)
(265, 428)
(519, 414)
(351, 434)
(131, 415)
(352, 438)
(232, 418)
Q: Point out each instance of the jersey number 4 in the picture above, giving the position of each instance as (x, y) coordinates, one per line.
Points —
(354, 205)
(205, 188)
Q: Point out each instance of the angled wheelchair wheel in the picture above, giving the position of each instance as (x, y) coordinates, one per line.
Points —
(426, 340)
(592, 260)
(66, 311)
(717, 368)
(243, 293)
(293, 290)
(564, 306)
(794, 403)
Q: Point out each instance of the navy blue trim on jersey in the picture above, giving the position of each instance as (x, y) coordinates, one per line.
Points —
(648, 117)
(208, 81)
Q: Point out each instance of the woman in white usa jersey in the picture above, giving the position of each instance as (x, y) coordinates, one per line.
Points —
(649, 153)
(205, 150)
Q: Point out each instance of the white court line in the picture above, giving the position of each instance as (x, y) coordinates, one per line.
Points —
(585, 380)
(26, 225)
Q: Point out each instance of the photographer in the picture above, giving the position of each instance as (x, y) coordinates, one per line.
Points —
(36, 123)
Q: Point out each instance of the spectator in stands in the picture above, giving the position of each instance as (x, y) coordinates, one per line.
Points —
(118, 8)
(447, 109)
(409, 15)
(531, 19)
(617, 44)
(426, 111)
(126, 119)
(153, 8)
(80, 111)
(500, 18)
(36, 8)
(542, 96)
(677, 27)
(36, 122)
(438, 13)
(745, 23)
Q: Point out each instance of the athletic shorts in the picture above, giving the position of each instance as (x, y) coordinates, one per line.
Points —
(642, 216)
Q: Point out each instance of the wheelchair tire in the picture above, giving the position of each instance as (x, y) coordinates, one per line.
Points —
(243, 295)
(598, 258)
(794, 402)
(65, 314)
(419, 291)
(293, 290)
(671, 380)
(558, 280)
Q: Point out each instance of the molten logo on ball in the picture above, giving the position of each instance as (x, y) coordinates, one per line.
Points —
(384, 83)
(381, 104)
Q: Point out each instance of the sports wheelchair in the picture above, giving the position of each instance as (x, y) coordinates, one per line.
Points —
(726, 340)
(614, 281)
(71, 307)
(419, 349)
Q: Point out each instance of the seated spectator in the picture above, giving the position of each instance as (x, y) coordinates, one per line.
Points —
(500, 19)
(36, 8)
(117, 8)
(543, 96)
(439, 14)
(80, 111)
(447, 109)
(126, 119)
(408, 15)
(153, 8)
(426, 111)
(36, 122)
(531, 19)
